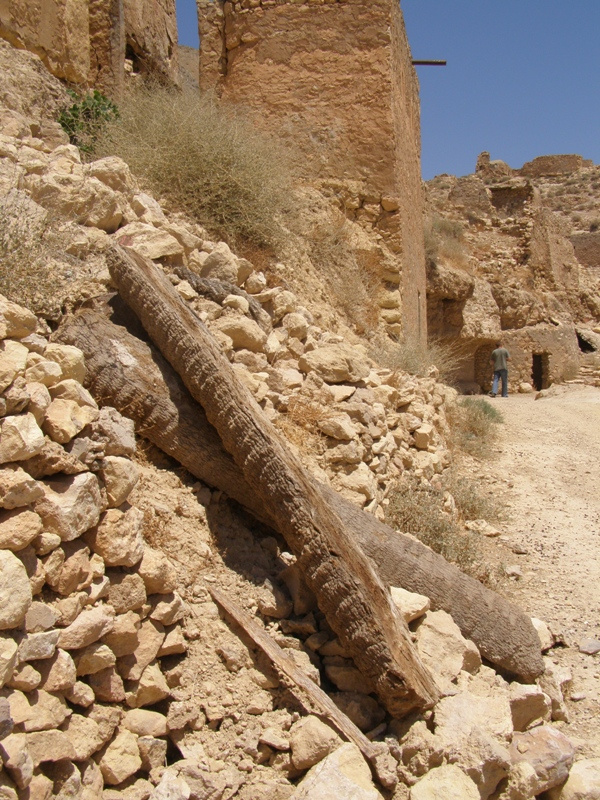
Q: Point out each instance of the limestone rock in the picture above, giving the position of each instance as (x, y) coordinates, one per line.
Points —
(343, 773)
(410, 604)
(448, 782)
(18, 528)
(17, 758)
(57, 673)
(335, 363)
(64, 419)
(528, 705)
(25, 678)
(38, 710)
(153, 752)
(93, 658)
(127, 591)
(123, 638)
(20, 438)
(17, 487)
(84, 735)
(112, 171)
(8, 658)
(222, 264)
(107, 685)
(151, 688)
(87, 628)
(71, 505)
(35, 646)
(423, 436)
(13, 360)
(42, 370)
(346, 676)
(118, 537)
(338, 426)
(80, 694)
(548, 751)
(120, 475)
(49, 745)
(243, 332)
(15, 321)
(157, 572)
(443, 648)
(583, 782)
(15, 591)
(555, 682)
(310, 741)
(70, 360)
(121, 759)
(70, 389)
(150, 638)
(364, 711)
(114, 431)
(150, 242)
(145, 723)
(544, 633)
(40, 617)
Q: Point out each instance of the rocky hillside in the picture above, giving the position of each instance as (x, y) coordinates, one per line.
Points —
(159, 636)
(508, 259)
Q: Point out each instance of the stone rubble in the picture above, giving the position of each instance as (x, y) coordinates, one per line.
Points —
(95, 623)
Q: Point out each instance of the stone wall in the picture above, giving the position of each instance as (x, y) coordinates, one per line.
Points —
(84, 42)
(553, 165)
(556, 344)
(336, 82)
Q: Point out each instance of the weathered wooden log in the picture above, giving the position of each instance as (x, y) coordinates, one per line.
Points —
(132, 376)
(319, 700)
(349, 592)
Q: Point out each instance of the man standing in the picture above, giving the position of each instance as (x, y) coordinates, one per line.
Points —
(499, 359)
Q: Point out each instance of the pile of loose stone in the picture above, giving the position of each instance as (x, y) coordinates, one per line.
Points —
(87, 610)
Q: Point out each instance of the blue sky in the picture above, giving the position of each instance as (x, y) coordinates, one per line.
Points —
(522, 80)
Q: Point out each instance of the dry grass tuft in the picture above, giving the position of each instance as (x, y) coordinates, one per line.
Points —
(474, 424)
(205, 158)
(418, 510)
(33, 266)
(419, 358)
(444, 237)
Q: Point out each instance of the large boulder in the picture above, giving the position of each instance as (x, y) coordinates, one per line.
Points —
(343, 774)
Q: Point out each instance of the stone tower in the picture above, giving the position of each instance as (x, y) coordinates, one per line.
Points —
(335, 78)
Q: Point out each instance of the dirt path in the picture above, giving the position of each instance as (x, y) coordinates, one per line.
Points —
(549, 453)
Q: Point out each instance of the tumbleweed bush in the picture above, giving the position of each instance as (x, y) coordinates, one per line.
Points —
(204, 158)
(474, 423)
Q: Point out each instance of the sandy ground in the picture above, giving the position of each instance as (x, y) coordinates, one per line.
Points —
(549, 454)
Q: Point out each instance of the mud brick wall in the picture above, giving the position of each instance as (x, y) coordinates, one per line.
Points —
(335, 80)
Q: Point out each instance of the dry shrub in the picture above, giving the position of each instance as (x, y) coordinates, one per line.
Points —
(205, 158)
(33, 265)
(474, 424)
(352, 275)
(299, 424)
(471, 501)
(419, 357)
(418, 510)
(444, 237)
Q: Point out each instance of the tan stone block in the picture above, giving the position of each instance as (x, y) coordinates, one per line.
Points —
(548, 751)
(94, 658)
(153, 752)
(17, 758)
(118, 537)
(150, 638)
(69, 358)
(15, 591)
(173, 643)
(157, 572)
(71, 505)
(107, 685)
(411, 605)
(18, 528)
(38, 710)
(20, 438)
(39, 400)
(151, 688)
(57, 673)
(25, 677)
(310, 741)
(87, 628)
(64, 419)
(80, 694)
(40, 617)
(41, 370)
(150, 242)
(121, 759)
(443, 649)
(120, 475)
(167, 609)
(49, 745)
(8, 658)
(123, 639)
(13, 360)
(15, 321)
(84, 735)
(70, 389)
(36, 646)
(145, 723)
(17, 487)
(342, 773)
(447, 781)
(528, 704)
(243, 332)
(127, 591)
(107, 718)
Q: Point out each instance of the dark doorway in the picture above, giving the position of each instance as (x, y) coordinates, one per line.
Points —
(539, 371)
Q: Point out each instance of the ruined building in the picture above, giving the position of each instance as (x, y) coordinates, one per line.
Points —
(86, 43)
(335, 81)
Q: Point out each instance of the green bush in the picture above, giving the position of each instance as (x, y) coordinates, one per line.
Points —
(205, 159)
(84, 120)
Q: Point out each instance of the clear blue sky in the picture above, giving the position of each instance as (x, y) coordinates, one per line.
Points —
(522, 80)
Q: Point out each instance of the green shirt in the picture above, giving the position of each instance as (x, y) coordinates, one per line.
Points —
(500, 356)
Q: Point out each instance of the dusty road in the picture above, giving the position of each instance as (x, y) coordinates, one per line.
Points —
(549, 452)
